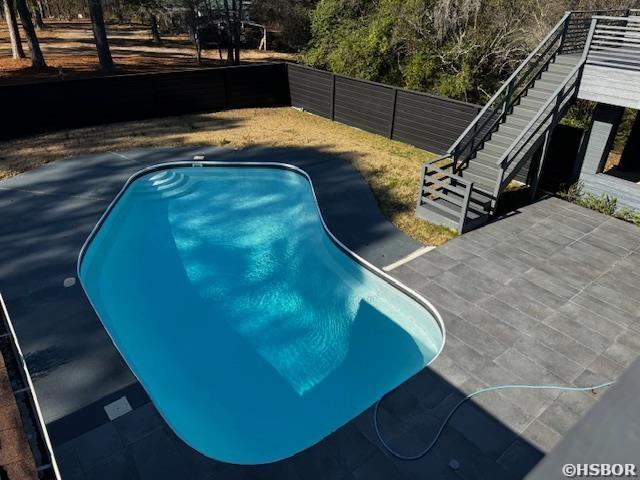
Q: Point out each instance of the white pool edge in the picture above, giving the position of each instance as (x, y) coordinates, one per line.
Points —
(426, 304)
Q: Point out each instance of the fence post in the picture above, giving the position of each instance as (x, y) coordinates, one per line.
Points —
(464, 207)
(392, 120)
(587, 42)
(333, 96)
(565, 30)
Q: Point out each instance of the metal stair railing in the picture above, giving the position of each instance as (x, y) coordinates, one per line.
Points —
(516, 155)
(507, 96)
(580, 23)
(567, 35)
(551, 112)
(439, 182)
(615, 43)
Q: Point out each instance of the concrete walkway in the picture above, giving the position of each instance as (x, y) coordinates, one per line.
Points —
(555, 299)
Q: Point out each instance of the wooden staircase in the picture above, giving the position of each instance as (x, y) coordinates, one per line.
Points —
(461, 189)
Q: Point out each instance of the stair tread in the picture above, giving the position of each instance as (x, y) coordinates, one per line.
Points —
(486, 155)
(479, 179)
(528, 106)
(539, 94)
(531, 103)
(496, 148)
(568, 59)
(486, 168)
(486, 178)
(521, 115)
(511, 129)
(546, 85)
(486, 165)
(562, 66)
(520, 120)
(503, 137)
(553, 75)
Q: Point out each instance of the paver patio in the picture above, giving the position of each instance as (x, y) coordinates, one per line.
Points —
(555, 300)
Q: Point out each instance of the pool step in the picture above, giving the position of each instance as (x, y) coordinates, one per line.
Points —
(166, 184)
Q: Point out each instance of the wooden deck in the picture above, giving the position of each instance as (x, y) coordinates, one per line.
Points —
(612, 69)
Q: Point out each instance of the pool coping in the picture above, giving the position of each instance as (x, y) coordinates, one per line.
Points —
(197, 163)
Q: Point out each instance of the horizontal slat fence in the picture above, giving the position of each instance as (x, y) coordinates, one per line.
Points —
(426, 121)
(363, 105)
(311, 89)
(46, 106)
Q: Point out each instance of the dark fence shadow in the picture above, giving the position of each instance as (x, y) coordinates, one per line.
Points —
(55, 105)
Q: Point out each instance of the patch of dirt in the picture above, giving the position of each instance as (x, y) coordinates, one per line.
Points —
(613, 159)
(391, 168)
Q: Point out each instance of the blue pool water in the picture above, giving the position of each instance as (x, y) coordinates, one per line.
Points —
(254, 334)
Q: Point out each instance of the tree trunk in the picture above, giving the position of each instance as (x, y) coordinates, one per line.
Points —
(39, 14)
(12, 25)
(198, 46)
(192, 28)
(100, 35)
(236, 59)
(37, 59)
(228, 37)
(37, 20)
(155, 33)
(119, 11)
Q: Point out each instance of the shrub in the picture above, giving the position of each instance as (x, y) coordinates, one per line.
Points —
(606, 204)
(629, 215)
(459, 48)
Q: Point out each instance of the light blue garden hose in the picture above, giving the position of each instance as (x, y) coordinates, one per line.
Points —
(459, 404)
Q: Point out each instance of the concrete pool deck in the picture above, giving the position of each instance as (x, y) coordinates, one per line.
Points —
(556, 300)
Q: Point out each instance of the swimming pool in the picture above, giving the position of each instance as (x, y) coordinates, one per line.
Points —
(255, 332)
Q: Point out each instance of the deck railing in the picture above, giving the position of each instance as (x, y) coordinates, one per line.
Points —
(579, 24)
(439, 183)
(538, 129)
(509, 94)
(615, 43)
